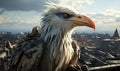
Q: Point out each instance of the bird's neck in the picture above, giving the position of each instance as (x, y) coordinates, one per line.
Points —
(58, 46)
(50, 32)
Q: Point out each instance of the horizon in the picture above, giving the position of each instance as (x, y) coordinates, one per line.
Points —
(75, 31)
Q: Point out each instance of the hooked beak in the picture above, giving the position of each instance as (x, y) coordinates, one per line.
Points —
(82, 20)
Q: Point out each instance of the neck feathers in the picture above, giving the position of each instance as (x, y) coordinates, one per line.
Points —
(59, 48)
(50, 32)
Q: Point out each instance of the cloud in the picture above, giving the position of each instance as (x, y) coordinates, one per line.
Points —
(20, 19)
(24, 5)
(77, 4)
(2, 10)
(21, 16)
(118, 19)
(107, 20)
(1, 19)
(114, 13)
(26, 14)
(38, 5)
(16, 26)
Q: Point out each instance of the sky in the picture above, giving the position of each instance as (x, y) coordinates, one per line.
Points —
(23, 15)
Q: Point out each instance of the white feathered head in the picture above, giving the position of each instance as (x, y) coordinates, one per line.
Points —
(65, 18)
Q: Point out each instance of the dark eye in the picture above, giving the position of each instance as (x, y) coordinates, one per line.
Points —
(66, 15)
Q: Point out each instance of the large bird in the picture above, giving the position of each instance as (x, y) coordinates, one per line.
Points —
(52, 49)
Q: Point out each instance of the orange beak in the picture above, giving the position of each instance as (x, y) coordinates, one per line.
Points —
(82, 20)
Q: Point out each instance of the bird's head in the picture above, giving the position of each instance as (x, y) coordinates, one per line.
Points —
(65, 18)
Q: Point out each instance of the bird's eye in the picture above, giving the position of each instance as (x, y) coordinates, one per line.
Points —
(66, 15)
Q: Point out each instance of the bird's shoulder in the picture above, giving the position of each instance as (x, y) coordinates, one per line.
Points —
(75, 45)
(76, 53)
(27, 51)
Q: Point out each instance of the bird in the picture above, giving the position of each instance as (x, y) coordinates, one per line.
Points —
(52, 47)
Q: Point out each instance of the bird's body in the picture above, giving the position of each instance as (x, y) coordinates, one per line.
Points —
(55, 54)
(52, 49)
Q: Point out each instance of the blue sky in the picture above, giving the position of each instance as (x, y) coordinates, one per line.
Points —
(25, 14)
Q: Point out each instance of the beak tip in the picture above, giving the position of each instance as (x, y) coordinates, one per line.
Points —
(94, 27)
(91, 23)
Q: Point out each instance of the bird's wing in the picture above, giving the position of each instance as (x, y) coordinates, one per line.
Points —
(76, 54)
(27, 54)
(73, 65)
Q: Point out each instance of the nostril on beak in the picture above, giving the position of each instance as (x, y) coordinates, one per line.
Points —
(79, 17)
